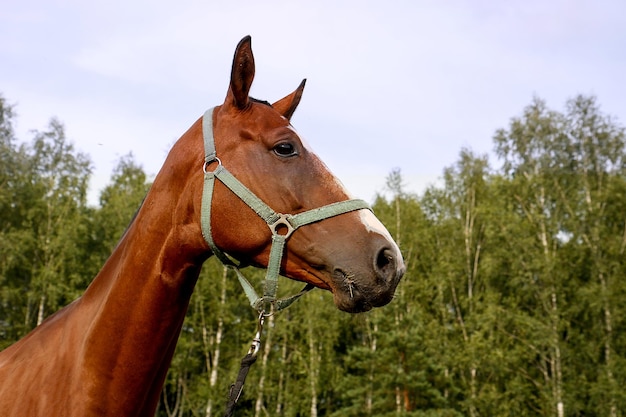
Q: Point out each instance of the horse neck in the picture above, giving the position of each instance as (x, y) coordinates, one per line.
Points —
(139, 299)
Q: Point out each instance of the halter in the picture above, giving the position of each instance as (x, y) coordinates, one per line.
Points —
(281, 225)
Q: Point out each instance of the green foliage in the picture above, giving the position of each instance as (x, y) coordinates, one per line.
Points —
(119, 202)
(512, 303)
(43, 199)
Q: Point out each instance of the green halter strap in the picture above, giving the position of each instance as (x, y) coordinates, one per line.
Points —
(281, 225)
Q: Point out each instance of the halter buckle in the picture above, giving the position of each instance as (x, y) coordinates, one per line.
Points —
(282, 226)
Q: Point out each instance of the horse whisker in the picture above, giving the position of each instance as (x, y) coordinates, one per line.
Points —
(350, 283)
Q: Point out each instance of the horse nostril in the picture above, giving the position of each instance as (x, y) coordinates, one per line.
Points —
(385, 264)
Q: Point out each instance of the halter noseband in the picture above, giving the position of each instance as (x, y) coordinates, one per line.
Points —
(282, 226)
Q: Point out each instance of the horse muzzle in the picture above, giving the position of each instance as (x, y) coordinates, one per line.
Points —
(359, 290)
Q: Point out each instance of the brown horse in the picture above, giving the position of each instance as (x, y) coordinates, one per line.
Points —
(107, 353)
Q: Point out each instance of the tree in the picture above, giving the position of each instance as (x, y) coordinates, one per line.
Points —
(14, 240)
(44, 194)
(119, 201)
(528, 149)
(62, 177)
(562, 172)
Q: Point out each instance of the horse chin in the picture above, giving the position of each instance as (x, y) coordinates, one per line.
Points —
(356, 302)
(352, 296)
(345, 302)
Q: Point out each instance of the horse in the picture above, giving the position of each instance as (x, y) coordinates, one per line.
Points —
(108, 352)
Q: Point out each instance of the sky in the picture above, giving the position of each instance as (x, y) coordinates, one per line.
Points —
(390, 84)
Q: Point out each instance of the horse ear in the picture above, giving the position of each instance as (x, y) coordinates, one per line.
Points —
(287, 105)
(241, 75)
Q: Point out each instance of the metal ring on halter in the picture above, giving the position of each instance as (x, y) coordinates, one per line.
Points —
(281, 223)
(206, 164)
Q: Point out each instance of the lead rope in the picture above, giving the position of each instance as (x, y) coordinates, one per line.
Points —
(281, 226)
(246, 363)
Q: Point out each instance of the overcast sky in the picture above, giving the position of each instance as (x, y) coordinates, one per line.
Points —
(391, 84)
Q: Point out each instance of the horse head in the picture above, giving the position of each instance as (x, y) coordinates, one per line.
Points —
(351, 254)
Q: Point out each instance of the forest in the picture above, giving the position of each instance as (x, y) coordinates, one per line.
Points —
(513, 303)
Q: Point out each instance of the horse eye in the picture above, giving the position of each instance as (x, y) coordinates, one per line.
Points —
(285, 149)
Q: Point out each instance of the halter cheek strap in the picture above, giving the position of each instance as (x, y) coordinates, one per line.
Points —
(281, 225)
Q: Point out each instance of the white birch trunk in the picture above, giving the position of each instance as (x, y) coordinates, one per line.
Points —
(212, 365)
